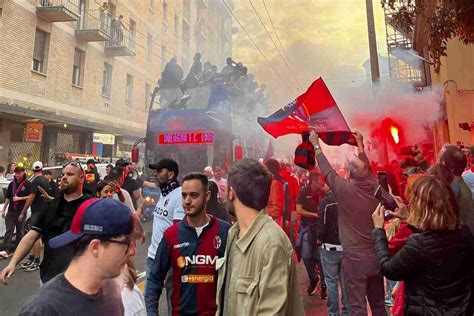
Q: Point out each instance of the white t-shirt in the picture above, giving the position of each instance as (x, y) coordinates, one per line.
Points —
(168, 209)
(133, 302)
(128, 199)
(200, 229)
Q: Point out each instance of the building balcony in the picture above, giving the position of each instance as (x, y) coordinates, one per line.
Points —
(95, 26)
(121, 44)
(58, 10)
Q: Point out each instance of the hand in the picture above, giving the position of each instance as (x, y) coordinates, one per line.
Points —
(16, 199)
(401, 211)
(378, 216)
(314, 138)
(21, 217)
(44, 194)
(115, 187)
(7, 273)
(359, 138)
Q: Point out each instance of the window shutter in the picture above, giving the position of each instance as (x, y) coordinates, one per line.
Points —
(40, 41)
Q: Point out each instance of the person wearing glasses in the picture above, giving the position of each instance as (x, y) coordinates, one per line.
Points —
(55, 219)
(101, 249)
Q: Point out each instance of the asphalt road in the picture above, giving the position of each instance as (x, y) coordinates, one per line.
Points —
(24, 284)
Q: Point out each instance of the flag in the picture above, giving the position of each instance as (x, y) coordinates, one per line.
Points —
(304, 153)
(316, 108)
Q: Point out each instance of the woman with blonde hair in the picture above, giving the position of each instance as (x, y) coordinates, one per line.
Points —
(436, 262)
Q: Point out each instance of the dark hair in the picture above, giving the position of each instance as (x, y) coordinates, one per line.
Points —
(214, 189)
(114, 174)
(454, 159)
(408, 163)
(109, 166)
(101, 185)
(198, 176)
(47, 172)
(273, 166)
(441, 172)
(81, 244)
(2, 169)
(314, 176)
(10, 166)
(251, 182)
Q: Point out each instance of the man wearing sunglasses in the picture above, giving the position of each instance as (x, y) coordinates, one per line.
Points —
(100, 236)
(55, 219)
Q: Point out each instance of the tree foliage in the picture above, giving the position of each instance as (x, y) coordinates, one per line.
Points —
(448, 19)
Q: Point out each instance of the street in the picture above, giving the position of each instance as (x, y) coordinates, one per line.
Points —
(24, 284)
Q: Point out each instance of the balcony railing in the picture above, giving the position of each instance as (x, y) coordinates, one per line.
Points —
(58, 10)
(120, 44)
(95, 26)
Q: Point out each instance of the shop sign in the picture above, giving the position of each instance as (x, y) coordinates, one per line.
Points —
(34, 132)
(106, 139)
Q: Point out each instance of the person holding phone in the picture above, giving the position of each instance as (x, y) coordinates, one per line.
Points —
(436, 261)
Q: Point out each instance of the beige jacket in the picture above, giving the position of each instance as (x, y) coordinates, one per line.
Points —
(264, 280)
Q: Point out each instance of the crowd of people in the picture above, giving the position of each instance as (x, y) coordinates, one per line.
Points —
(233, 75)
(229, 245)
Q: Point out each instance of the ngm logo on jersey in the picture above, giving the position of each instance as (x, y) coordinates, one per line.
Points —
(196, 260)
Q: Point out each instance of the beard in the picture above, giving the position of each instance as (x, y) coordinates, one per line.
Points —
(67, 188)
(196, 210)
(163, 184)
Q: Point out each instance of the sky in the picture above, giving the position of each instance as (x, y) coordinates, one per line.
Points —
(325, 38)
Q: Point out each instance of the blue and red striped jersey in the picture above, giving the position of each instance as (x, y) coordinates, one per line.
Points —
(193, 261)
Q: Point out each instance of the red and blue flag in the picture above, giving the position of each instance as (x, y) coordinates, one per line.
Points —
(316, 108)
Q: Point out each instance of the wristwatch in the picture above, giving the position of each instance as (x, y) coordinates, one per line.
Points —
(317, 147)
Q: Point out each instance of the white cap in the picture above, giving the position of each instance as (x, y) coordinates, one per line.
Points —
(208, 169)
(37, 166)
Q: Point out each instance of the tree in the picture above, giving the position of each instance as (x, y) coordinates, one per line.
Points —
(445, 20)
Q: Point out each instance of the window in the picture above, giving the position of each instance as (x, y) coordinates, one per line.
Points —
(107, 80)
(133, 33)
(165, 13)
(149, 47)
(129, 90)
(176, 26)
(163, 56)
(40, 53)
(186, 9)
(147, 96)
(78, 68)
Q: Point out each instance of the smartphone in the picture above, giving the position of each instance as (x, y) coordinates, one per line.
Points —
(386, 199)
(382, 177)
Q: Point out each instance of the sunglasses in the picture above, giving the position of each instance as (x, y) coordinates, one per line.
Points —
(74, 164)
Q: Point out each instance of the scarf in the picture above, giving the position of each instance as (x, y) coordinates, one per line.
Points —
(17, 190)
(169, 187)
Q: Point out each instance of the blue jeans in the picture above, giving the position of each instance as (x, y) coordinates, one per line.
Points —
(168, 284)
(389, 286)
(311, 257)
(332, 267)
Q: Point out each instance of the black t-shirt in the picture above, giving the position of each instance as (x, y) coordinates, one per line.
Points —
(90, 181)
(309, 201)
(25, 190)
(53, 189)
(55, 219)
(61, 298)
(38, 202)
(131, 185)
